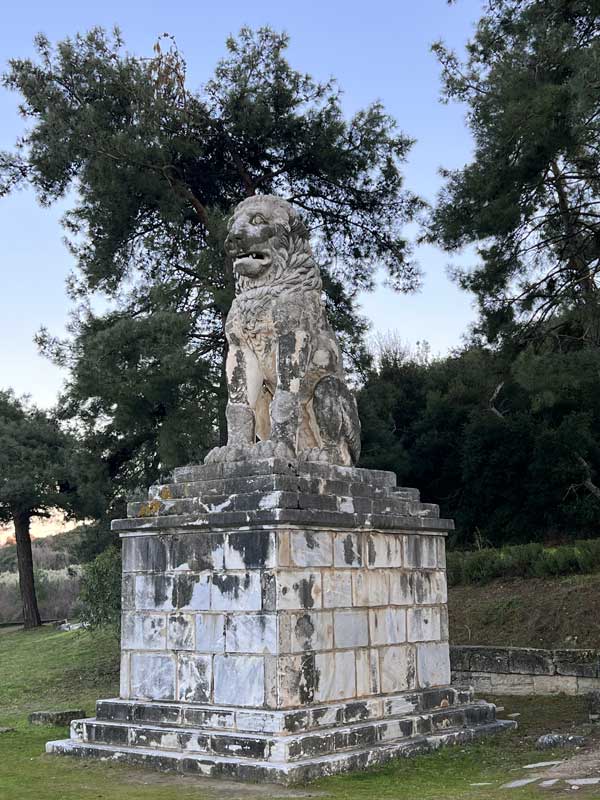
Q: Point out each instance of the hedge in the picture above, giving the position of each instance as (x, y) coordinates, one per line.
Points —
(523, 561)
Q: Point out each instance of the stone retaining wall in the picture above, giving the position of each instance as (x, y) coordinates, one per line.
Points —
(524, 670)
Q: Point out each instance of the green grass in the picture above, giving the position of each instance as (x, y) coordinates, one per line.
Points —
(47, 669)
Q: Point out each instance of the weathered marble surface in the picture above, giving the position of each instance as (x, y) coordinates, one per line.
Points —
(284, 367)
(281, 620)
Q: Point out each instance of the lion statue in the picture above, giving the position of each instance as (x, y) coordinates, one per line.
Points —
(284, 366)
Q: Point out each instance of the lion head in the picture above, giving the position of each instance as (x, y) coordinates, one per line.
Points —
(269, 244)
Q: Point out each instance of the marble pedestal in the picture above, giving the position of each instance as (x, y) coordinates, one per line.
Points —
(281, 621)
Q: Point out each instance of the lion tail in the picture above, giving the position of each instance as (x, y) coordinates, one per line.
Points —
(351, 424)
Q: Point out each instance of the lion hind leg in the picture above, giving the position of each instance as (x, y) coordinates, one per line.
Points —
(338, 422)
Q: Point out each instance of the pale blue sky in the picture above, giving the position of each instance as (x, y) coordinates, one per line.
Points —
(376, 50)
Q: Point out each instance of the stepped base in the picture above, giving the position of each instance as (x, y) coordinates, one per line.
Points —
(279, 747)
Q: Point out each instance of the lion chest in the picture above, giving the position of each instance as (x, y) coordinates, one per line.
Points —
(252, 325)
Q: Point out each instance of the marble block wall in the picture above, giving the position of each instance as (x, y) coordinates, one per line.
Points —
(280, 617)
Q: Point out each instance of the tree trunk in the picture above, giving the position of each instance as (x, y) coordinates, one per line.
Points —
(31, 614)
(222, 398)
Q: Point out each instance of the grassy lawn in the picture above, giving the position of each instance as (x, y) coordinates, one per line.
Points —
(51, 670)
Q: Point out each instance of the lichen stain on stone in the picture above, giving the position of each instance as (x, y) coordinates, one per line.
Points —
(165, 493)
(253, 548)
(356, 711)
(311, 540)
(149, 509)
(183, 590)
(305, 589)
(410, 675)
(372, 551)
(309, 679)
(349, 549)
(304, 629)
(160, 590)
(230, 584)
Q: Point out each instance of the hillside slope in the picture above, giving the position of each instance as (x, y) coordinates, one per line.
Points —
(532, 612)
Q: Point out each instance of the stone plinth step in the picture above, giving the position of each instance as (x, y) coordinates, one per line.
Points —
(283, 516)
(275, 772)
(272, 490)
(314, 718)
(286, 748)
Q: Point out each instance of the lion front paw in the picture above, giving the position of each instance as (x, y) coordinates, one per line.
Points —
(219, 455)
(322, 455)
(272, 449)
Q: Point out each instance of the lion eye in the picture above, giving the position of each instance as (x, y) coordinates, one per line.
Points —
(258, 219)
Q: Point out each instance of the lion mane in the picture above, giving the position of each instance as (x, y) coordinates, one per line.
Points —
(293, 267)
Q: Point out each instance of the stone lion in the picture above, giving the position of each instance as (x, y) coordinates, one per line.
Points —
(284, 367)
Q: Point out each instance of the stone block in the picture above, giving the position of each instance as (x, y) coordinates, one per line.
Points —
(145, 553)
(58, 718)
(405, 704)
(370, 588)
(236, 591)
(367, 672)
(210, 633)
(402, 589)
(587, 685)
(444, 627)
(337, 589)
(143, 631)
(197, 552)
(154, 593)
(128, 592)
(336, 676)
(181, 632)
(311, 630)
(248, 550)
(397, 667)
(297, 679)
(423, 624)
(420, 551)
(460, 658)
(239, 680)
(351, 628)
(384, 550)
(299, 589)
(284, 555)
(194, 677)
(430, 588)
(347, 550)
(387, 626)
(433, 664)
(582, 663)
(192, 591)
(440, 546)
(555, 684)
(251, 633)
(346, 504)
(509, 684)
(152, 676)
(124, 687)
(311, 548)
(489, 659)
(530, 661)
(316, 502)
(258, 721)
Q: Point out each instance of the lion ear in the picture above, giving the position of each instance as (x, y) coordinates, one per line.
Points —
(298, 228)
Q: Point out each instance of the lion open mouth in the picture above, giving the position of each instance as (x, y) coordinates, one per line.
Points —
(251, 263)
